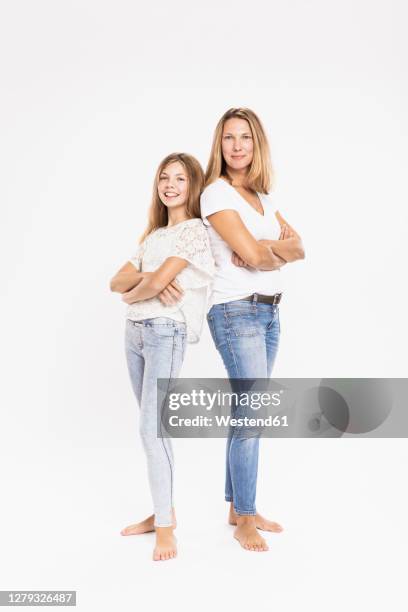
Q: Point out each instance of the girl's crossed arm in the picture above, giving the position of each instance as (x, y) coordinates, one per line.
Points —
(161, 281)
(128, 279)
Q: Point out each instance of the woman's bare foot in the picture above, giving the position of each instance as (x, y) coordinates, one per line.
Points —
(260, 522)
(165, 544)
(247, 534)
(145, 526)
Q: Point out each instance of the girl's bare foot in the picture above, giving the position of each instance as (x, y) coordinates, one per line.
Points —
(138, 528)
(165, 544)
(247, 534)
(260, 522)
(144, 526)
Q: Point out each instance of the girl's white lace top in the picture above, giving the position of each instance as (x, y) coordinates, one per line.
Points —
(188, 240)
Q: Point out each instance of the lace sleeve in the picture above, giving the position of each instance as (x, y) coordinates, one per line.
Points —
(192, 244)
(137, 258)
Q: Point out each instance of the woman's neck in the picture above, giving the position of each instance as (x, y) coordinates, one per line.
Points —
(236, 177)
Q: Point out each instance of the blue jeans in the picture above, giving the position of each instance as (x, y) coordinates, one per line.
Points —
(155, 349)
(246, 334)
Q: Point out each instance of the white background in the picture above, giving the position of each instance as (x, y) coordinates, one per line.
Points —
(93, 96)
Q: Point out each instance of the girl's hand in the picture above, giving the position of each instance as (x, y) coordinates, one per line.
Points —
(171, 294)
(126, 297)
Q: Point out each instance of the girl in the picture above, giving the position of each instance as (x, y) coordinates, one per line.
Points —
(163, 314)
(251, 243)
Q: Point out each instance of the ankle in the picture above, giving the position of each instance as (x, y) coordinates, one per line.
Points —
(163, 531)
(245, 519)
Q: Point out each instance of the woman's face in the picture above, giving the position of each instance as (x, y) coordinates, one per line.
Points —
(173, 185)
(237, 143)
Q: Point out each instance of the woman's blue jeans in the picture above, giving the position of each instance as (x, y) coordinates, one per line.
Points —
(246, 334)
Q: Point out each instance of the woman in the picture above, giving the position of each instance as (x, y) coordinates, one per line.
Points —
(251, 242)
(163, 314)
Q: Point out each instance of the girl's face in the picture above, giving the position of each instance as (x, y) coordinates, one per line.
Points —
(237, 143)
(173, 185)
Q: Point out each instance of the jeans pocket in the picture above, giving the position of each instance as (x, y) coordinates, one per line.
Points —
(166, 337)
(163, 330)
(240, 310)
(244, 324)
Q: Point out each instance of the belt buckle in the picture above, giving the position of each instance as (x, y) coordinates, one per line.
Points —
(276, 298)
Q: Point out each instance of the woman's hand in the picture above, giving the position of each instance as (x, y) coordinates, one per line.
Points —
(238, 261)
(278, 260)
(285, 233)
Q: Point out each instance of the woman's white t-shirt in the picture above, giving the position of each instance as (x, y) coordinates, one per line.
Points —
(232, 282)
(188, 240)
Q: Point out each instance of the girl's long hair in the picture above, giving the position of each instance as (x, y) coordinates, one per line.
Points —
(260, 173)
(158, 212)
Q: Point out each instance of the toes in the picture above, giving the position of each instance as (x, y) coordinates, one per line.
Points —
(125, 531)
(164, 555)
(256, 546)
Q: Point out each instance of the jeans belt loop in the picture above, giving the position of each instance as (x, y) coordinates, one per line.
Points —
(255, 298)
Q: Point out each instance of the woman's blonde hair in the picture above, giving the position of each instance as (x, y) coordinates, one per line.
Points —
(260, 174)
(158, 212)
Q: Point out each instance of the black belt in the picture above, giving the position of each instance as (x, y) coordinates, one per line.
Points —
(264, 299)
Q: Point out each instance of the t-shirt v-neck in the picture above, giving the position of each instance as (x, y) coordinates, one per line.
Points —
(244, 200)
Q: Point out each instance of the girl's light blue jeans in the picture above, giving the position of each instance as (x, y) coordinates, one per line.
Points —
(155, 349)
(246, 334)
